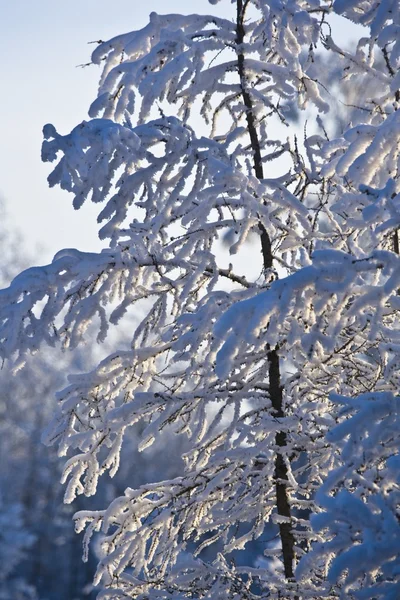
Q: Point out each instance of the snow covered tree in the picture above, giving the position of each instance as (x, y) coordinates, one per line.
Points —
(251, 355)
(34, 524)
(40, 555)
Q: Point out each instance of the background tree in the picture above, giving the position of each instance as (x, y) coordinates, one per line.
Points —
(245, 365)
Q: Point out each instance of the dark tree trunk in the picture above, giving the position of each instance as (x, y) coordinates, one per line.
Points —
(275, 387)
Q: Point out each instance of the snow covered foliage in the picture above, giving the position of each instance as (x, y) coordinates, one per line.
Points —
(248, 349)
(40, 554)
(361, 514)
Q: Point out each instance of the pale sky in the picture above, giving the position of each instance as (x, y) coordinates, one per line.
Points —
(41, 44)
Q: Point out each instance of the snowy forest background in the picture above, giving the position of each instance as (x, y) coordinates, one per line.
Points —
(40, 554)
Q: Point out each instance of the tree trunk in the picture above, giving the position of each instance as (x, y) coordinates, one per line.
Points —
(275, 387)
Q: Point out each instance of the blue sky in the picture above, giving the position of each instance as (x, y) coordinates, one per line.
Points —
(41, 44)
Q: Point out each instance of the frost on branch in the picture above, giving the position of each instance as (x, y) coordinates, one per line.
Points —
(93, 152)
(359, 523)
(167, 60)
(247, 364)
